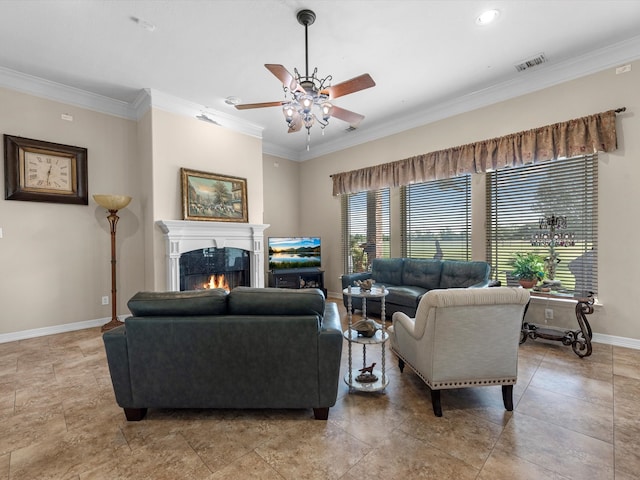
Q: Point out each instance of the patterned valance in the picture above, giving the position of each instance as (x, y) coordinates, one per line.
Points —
(580, 136)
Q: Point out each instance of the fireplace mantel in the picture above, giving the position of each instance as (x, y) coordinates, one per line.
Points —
(185, 235)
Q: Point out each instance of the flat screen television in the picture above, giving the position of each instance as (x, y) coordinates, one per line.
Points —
(286, 253)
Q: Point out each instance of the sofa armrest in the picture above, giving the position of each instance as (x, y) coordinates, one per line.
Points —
(329, 356)
(115, 344)
(403, 323)
(483, 284)
(350, 278)
(404, 341)
(331, 320)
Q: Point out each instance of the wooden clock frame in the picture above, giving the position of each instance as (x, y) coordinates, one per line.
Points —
(15, 184)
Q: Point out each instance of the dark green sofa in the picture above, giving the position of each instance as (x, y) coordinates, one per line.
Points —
(251, 348)
(408, 279)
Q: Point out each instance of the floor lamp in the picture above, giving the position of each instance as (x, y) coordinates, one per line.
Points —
(113, 203)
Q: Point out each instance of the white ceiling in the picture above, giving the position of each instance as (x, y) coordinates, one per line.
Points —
(428, 58)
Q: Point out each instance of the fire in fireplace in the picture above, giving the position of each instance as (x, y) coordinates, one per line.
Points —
(218, 281)
(214, 268)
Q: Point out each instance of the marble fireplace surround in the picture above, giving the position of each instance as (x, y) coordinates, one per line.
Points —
(185, 235)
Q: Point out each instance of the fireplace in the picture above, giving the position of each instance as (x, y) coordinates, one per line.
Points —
(214, 268)
(183, 236)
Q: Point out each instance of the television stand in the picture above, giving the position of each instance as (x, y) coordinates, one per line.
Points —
(297, 278)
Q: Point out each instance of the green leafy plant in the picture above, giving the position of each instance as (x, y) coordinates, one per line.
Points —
(528, 266)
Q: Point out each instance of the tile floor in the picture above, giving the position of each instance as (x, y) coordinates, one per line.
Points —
(574, 418)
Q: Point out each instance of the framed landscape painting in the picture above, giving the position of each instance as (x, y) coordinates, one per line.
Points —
(213, 197)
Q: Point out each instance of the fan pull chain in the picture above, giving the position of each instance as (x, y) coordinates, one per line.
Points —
(308, 138)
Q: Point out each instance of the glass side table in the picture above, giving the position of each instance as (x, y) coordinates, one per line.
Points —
(367, 379)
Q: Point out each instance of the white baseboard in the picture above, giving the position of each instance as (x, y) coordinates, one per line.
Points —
(70, 327)
(41, 332)
(597, 337)
(617, 341)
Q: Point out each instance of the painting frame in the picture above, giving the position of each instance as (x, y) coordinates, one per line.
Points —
(202, 192)
(40, 171)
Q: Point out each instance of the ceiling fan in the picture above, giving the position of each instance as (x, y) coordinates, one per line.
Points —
(303, 92)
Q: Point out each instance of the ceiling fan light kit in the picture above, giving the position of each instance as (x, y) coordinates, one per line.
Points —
(304, 92)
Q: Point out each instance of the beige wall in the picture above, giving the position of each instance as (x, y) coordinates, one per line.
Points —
(281, 201)
(179, 141)
(281, 197)
(55, 258)
(145, 192)
(619, 173)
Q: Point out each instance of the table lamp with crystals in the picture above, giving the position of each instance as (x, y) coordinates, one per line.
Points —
(112, 203)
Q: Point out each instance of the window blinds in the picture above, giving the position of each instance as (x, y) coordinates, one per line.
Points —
(520, 199)
(365, 228)
(436, 219)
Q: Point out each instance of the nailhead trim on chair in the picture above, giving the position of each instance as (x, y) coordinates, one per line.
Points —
(457, 384)
(502, 381)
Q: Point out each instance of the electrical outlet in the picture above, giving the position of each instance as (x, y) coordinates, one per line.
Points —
(548, 314)
(105, 300)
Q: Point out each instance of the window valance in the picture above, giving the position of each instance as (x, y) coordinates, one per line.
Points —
(580, 136)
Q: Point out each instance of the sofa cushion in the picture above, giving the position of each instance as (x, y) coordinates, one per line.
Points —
(387, 270)
(169, 304)
(276, 301)
(461, 274)
(423, 273)
(406, 295)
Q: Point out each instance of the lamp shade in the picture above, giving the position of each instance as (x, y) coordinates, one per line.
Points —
(112, 202)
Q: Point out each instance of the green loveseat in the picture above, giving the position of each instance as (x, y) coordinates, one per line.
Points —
(408, 279)
(251, 348)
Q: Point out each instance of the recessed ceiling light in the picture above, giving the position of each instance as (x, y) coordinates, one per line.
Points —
(487, 17)
(232, 100)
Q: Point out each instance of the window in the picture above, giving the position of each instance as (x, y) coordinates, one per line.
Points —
(436, 219)
(523, 204)
(365, 229)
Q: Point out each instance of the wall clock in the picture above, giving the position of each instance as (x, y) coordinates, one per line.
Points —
(38, 171)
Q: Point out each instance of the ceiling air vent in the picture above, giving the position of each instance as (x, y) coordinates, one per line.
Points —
(531, 62)
(350, 128)
(205, 118)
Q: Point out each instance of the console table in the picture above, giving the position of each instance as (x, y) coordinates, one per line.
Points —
(298, 278)
(380, 338)
(579, 339)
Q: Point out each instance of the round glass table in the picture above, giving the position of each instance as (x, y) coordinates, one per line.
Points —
(368, 378)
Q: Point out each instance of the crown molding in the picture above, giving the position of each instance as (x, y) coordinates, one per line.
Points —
(280, 151)
(539, 78)
(142, 103)
(151, 98)
(58, 92)
(145, 99)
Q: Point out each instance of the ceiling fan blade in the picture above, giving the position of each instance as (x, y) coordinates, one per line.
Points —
(350, 86)
(348, 116)
(246, 106)
(284, 76)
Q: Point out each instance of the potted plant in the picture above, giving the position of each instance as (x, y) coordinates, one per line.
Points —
(528, 268)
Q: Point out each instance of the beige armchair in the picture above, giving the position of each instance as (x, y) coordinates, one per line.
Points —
(461, 338)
